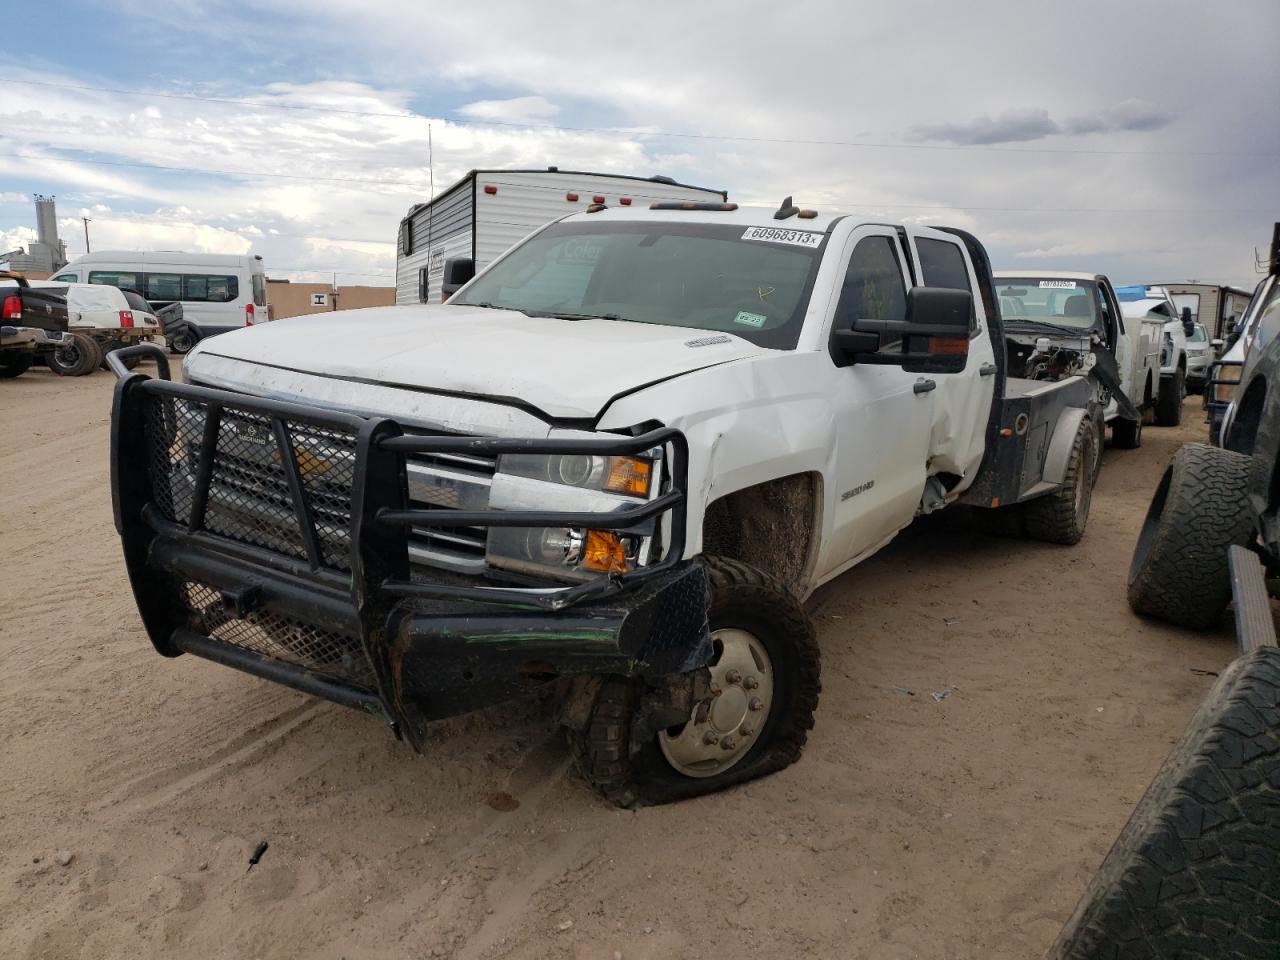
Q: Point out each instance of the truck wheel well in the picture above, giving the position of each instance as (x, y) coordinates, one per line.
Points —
(772, 526)
(1244, 428)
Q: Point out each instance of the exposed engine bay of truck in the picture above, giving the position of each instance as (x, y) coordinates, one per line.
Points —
(1038, 357)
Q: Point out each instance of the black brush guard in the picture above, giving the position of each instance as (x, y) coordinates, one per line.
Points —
(272, 537)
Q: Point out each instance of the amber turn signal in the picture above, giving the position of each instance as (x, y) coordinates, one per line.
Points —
(604, 553)
(629, 475)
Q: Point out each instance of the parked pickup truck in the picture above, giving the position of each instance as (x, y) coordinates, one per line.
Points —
(33, 322)
(617, 460)
(1127, 354)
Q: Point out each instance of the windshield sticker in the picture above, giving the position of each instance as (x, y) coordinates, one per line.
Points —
(1058, 284)
(750, 319)
(799, 238)
(708, 341)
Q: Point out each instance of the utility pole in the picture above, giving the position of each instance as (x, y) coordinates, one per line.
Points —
(86, 233)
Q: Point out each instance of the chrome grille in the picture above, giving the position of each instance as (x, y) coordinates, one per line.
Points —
(449, 482)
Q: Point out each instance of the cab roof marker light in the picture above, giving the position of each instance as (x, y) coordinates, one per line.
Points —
(807, 214)
(571, 197)
(675, 205)
(597, 199)
(625, 201)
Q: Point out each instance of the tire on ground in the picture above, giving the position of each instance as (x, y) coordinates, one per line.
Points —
(1126, 434)
(80, 358)
(1169, 402)
(1061, 516)
(1194, 872)
(183, 341)
(1179, 570)
(739, 597)
(14, 363)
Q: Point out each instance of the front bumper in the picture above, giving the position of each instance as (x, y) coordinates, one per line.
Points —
(317, 594)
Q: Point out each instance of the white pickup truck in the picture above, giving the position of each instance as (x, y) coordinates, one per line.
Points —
(1036, 303)
(617, 460)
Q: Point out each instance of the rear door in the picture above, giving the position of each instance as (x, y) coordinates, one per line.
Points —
(962, 405)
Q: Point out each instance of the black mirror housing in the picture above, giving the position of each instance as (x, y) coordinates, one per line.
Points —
(934, 334)
(457, 272)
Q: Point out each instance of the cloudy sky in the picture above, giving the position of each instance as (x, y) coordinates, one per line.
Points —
(1135, 138)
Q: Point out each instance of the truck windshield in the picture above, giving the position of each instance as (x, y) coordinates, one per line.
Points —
(1059, 303)
(753, 282)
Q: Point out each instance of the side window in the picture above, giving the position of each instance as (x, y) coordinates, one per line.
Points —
(66, 278)
(1104, 311)
(164, 286)
(873, 287)
(115, 278)
(203, 288)
(942, 265)
(406, 236)
(423, 287)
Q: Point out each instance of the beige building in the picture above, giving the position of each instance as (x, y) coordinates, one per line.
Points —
(296, 299)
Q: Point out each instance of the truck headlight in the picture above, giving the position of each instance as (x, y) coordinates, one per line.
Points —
(570, 483)
(631, 476)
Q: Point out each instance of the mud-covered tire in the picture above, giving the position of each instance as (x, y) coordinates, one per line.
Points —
(739, 597)
(1179, 570)
(1195, 874)
(1169, 402)
(14, 363)
(1061, 516)
(82, 356)
(1126, 434)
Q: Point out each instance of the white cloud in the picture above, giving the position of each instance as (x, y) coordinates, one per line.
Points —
(514, 110)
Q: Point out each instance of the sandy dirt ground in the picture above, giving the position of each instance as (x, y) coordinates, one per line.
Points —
(960, 828)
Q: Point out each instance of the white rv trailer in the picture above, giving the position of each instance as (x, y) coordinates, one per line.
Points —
(489, 211)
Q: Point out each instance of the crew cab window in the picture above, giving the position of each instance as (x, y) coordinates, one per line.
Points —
(942, 265)
(115, 278)
(872, 288)
(66, 278)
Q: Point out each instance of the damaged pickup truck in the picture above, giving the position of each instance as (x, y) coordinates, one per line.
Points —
(615, 462)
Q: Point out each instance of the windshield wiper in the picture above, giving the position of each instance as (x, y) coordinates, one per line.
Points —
(1027, 322)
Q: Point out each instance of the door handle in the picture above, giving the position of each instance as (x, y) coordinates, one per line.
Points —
(924, 386)
(986, 370)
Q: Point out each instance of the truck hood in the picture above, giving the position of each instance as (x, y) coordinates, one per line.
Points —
(560, 369)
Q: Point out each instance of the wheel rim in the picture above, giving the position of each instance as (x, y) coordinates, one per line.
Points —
(67, 357)
(723, 729)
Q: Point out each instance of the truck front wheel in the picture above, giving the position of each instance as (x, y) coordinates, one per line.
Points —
(1169, 402)
(763, 692)
(1179, 570)
(1061, 516)
(77, 358)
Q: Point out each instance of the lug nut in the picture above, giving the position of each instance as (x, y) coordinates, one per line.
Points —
(709, 738)
(755, 704)
(746, 730)
(733, 676)
(728, 743)
(750, 683)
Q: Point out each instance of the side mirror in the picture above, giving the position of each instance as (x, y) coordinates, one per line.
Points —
(933, 337)
(1188, 325)
(456, 273)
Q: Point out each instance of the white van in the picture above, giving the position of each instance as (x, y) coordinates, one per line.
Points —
(218, 292)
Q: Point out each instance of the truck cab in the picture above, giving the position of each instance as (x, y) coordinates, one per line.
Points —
(617, 461)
